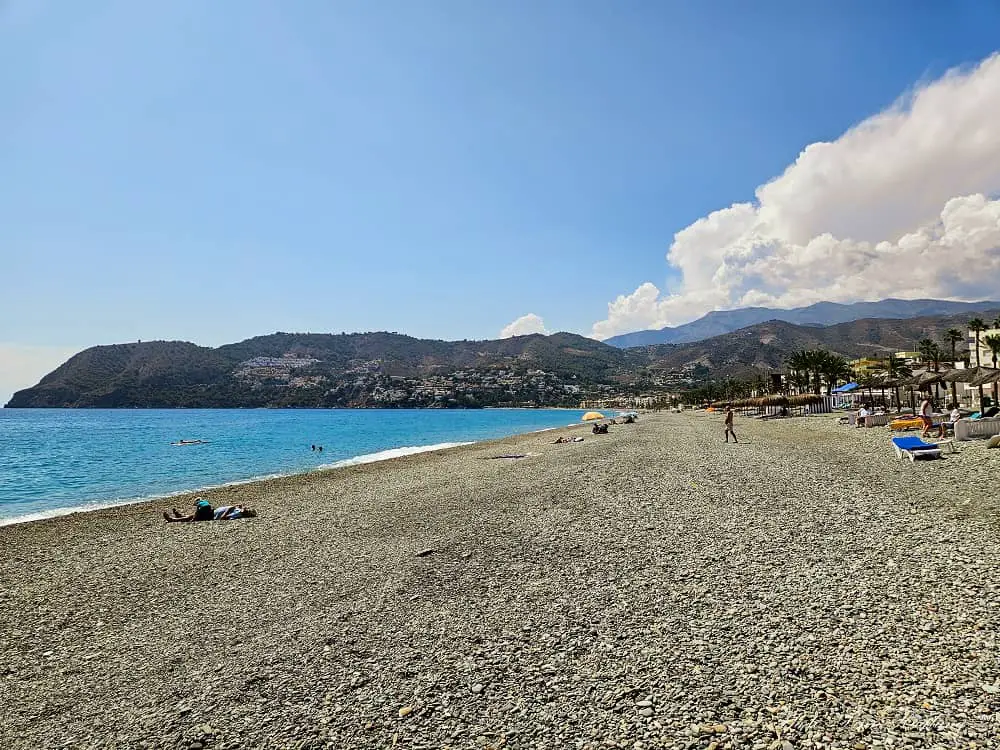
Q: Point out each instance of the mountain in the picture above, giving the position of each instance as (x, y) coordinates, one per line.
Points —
(767, 345)
(369, 369)
(391, 370)
(820, 314)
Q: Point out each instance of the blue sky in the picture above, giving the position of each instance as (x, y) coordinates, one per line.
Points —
(213, 171)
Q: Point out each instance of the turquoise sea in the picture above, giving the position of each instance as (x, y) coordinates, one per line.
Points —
(54, 461)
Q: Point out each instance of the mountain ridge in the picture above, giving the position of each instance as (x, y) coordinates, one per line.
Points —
(392, 370)
(719, 322)
(767, 345)
(287, 369)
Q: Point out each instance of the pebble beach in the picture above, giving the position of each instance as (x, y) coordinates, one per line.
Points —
(650, 588)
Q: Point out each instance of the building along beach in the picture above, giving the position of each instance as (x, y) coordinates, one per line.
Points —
(650, 588)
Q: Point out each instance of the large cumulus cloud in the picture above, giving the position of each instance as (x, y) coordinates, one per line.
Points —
(903, 204)
(524, 325)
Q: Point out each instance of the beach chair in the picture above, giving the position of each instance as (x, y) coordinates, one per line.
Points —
(876, 420)
(906, 423)
(914, 448)
(984, 427)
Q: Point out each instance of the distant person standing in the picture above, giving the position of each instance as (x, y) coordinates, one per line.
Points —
(926, 412)
(729, 425)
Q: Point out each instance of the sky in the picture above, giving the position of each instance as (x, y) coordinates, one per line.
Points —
(214, 171)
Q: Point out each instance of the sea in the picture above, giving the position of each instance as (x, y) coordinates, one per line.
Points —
(56, 461)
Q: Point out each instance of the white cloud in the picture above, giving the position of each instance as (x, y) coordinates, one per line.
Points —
(524, 325)
(22, 366)
(901, 205)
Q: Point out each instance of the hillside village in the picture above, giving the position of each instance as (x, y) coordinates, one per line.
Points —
(367, 383)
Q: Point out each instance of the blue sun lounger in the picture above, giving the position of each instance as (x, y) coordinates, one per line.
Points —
(914, 448)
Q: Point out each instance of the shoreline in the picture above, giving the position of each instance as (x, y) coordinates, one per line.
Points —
(378, 457)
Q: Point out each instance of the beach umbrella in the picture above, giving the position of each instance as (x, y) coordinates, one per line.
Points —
(956, 375)
(891, 382)
(974, 376)
(965, 375)
(591, 416)
(922, 380)
(987, 376)
(804, 399)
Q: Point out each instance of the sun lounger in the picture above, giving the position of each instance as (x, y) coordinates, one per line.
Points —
(876, 420)
(906, 423)
(984, 427)
(914, 448)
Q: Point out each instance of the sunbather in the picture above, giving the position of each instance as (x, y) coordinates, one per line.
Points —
(953, 417)
(203, 511)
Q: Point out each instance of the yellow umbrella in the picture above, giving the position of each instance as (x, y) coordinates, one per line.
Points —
(590, 416)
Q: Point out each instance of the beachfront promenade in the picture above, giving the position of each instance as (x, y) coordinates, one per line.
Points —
(650, 588)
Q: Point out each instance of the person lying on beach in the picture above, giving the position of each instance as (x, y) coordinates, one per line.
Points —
(222, 513)
(567, 439)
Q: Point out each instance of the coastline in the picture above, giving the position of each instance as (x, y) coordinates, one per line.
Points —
(181, 487)
(652, 588)
(184, 495)
(99, 505)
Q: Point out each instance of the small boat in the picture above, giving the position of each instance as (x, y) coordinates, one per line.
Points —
(190, 442)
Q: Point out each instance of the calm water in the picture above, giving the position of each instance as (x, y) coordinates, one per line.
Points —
(52, 460)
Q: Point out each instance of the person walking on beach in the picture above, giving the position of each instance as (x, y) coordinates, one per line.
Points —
(729, 425)
(926, 410)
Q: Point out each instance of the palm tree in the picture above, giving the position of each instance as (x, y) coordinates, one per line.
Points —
(977, 326)
(896, 368)
(952, 336)
(834, 368)
(816, 359)
(800, 365)
(800, 379)
(937, 357)
(932, 354)
(927, 347)
(867, 380)
(993, 342)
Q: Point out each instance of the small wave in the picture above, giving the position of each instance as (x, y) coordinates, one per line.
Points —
(41, 515)
(370, 458)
